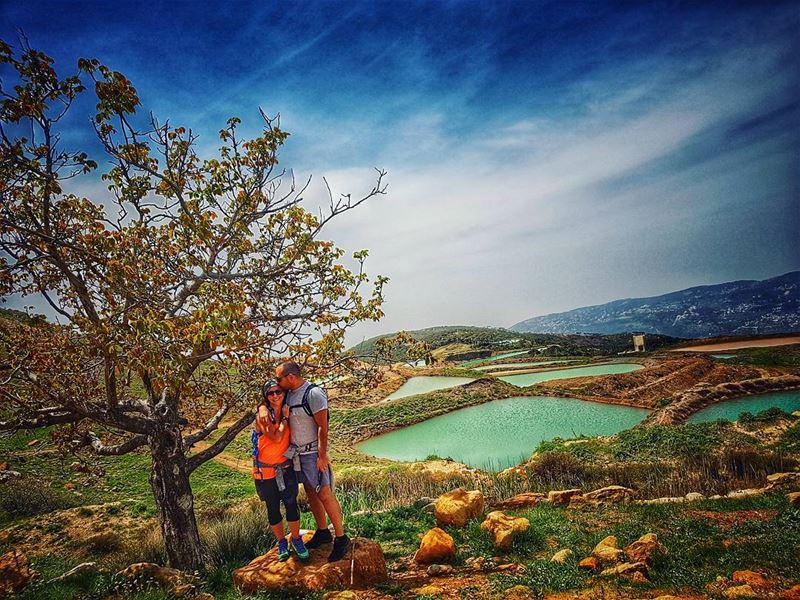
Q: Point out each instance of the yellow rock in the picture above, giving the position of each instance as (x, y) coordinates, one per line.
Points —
(436, 546)
(740, 591)
(458, 507)
(503, 527)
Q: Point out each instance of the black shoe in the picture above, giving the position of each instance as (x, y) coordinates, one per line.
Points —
(340, 546)
(321, 536)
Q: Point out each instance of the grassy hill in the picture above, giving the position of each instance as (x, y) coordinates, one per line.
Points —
(464, 337)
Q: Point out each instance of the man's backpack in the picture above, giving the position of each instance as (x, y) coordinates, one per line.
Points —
(304, 402)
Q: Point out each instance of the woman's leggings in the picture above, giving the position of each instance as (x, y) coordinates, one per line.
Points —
(268, 492)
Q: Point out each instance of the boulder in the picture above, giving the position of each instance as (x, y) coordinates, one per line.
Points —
(436, 546)
(665, 500)
(739, 591)
(562, 496)
(524, 500)
(626, 569)
(695, 496)
(562, 555)
(745, 493)
(611, 494)
(793, 593)
(458, 507)
(606, 550)
(438, 570)
(267, 573)
(753, 579)
(645, 549)
(503, 527)
(783, 480)
(793, 498)
(476, 563)
(589, 563)
(168, 579)
(15, 573)
(638, 577)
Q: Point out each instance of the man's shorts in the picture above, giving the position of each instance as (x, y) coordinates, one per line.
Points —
(310, 475)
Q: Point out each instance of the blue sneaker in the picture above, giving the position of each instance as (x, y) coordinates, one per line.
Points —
(300, 548)
(283, 550)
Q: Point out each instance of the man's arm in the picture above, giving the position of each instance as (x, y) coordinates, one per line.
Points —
(321, 419)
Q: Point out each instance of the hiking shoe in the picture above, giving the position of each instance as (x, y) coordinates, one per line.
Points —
(340, 546)
(321, 536)
(283, 550)
(300, 548)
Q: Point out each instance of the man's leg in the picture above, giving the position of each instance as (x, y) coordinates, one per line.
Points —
(331, 506)
(317, 508)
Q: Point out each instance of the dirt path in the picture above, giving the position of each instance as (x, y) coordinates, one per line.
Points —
(232, 462)
(781, 341)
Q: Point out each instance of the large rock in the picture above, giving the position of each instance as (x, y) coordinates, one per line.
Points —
(607, 551)
(562, 496)
(753, 579)
(15, 573)
(267, 573)
(783, 480)
(793, 593)
(524, 500)
(590, 563)
(436, 546)
(793, 498)
(503, 527)
(611, 494)
(645, 549)
(739, 591)
(458, 507)
(627, 569)
(562, 555)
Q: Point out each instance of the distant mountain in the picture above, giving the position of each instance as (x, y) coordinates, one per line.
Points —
(735, 308)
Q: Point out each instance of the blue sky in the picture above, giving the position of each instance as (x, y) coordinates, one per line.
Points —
(541, 155)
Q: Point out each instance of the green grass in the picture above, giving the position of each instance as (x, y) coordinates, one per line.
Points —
(784, 357)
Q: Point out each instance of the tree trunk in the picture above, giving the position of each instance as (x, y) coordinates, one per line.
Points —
(169, 480)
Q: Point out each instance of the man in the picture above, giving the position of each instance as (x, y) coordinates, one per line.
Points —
(309, 438)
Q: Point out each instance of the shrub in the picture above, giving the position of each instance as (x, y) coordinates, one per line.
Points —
(29, 497)
(238, 537)
(561, 467)
(102, 543)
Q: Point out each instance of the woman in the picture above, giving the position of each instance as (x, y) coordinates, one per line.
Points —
(274, 477)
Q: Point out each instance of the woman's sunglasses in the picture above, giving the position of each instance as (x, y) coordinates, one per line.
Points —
(274, 393)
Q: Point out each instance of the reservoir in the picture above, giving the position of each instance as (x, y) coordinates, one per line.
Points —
(502, 433)
(531, 378)
(425, 384)
(731, 409)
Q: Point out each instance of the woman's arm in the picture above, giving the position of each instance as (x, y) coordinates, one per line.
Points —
(274, 431)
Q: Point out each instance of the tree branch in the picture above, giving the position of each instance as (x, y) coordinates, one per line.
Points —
(130, 445)
(198, 459)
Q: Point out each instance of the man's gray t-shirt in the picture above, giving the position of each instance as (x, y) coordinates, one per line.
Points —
(303, 427)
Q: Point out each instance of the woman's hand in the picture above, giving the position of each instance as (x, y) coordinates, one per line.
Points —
(285, 410)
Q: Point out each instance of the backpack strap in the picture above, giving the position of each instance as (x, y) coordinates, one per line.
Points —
(304, 403)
